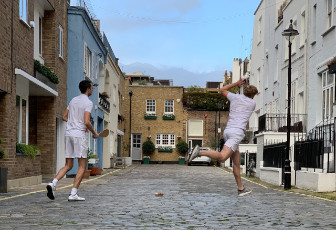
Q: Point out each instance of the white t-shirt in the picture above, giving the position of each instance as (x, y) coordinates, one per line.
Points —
(77, 106)
(241, 109)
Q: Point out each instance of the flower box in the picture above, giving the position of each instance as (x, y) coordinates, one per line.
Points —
(169, 150)
(150, 116)
(168, 117)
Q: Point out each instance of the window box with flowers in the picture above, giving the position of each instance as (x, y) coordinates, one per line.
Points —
(168, 117)
(168, 149)
(150, 116)
(332, 66)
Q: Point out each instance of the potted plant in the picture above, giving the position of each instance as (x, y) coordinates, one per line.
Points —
(30, 150)
(332, 65)
(182, 148)
(148, 148)
(92, 164)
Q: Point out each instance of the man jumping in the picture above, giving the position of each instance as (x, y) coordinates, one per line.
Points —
(241, 109)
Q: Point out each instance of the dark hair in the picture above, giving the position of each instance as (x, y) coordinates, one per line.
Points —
(84, 85)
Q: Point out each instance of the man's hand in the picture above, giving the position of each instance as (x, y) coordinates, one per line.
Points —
(240, 82)
(95, 135)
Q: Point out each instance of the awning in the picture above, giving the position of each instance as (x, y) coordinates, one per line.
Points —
(36, 87)
(119, 132)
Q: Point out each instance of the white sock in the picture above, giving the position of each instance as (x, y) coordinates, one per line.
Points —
(55, 182)
(73, 191)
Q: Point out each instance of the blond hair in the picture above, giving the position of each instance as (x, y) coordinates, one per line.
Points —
(250, 91)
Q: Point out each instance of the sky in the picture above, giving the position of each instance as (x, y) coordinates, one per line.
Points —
(188, 41)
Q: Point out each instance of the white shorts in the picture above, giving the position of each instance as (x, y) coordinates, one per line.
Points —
(75, 147)
(232, 137)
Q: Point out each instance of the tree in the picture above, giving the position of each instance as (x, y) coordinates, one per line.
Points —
(182, 147)
(194, 89)
(148, 147)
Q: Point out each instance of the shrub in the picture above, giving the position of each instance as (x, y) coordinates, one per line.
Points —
(2, 154)
(29, 150)
(182, 147)
(45, 71)
(148, 147)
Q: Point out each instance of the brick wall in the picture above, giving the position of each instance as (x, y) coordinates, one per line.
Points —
(158, 126)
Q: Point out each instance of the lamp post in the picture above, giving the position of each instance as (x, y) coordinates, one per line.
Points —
(130, 92)
(289, 34)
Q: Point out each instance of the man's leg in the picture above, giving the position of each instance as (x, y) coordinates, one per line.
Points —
(80, 172)
(68, 165)
(51, 187)
(236, 169)
(221, 156)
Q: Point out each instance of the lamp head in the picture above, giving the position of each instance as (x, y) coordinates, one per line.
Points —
(290, 33)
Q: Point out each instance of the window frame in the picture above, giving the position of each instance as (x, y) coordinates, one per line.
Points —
(61, 37)
(167, 106)
(170, 138)
(328, 92)
(150, 105)
(23, 10)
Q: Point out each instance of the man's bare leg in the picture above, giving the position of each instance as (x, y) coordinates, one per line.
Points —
(80, 172)
(68, 165)
(221, 156)
(236, 169)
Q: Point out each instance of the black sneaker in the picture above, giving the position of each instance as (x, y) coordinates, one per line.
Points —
(244, 192)
(51, 191)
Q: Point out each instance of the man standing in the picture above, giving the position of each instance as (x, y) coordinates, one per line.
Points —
(77, 116)
(241, 109)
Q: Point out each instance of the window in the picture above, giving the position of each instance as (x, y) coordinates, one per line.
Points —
(277, 66)
(24, 10)
(40, 36)
(314, 23)
(328, 92)
(329, 13)
(165, 140)
(87, 61)
(303, 29)
(22, 120)
(259, 30)
(294, 39)
(195, 127)
(169, 107)
(150, 106)
(60, 41)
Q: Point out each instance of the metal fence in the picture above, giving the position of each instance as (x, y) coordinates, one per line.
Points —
(274, 155)
(318, 150)
(278, 122)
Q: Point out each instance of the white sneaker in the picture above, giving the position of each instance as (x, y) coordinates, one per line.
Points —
(51, 191)
(195, 153)
(75, 198)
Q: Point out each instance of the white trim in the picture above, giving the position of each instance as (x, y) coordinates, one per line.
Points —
(35, 81)
(61, 38)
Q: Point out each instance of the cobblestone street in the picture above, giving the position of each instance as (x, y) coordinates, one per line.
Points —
(195, 197)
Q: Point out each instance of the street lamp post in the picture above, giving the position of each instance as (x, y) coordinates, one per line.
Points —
(130, 92)
(289, 34)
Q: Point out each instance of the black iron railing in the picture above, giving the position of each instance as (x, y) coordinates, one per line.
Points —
(318, 150)
(274, 155)
(104, 103)
(278, 122)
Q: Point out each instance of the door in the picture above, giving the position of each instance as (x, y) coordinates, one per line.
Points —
(194, 142)
(119, 146)
(136, 147)
(60, 133)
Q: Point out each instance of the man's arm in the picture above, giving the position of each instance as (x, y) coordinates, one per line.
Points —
(225, 90)
(65, 115)
(88, 124)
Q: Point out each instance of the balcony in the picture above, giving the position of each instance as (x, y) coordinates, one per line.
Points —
(104, 103)
(278, 122)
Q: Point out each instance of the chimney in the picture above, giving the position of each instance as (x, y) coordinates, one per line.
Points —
(117, 61)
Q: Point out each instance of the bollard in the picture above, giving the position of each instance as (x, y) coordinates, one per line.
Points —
(3, 180)
(287, 175)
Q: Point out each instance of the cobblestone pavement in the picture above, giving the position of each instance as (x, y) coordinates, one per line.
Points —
(195, 197)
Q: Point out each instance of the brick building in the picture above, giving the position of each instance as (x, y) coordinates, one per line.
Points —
(30, 103)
